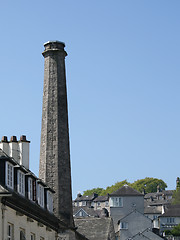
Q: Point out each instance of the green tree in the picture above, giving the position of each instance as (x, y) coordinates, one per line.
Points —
(94, 190)
(149, 184)
(176, 230)
(176, 196)
(114, 187)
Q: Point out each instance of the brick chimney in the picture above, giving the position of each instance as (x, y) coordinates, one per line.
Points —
(55, 167)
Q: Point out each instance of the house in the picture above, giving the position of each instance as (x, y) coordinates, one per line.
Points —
(133, 225)
(170, 218)
(101, 202)
(87, 200)
(153, 212)
(26, 202)
(86, 212)
(123, 201)
(159, 195)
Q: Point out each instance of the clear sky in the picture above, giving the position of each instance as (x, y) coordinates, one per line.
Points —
(123, 79)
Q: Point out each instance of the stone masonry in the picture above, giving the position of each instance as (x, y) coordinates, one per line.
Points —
(55, 167)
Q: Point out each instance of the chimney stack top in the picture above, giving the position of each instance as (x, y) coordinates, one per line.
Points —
(13, 139)
(4, 139)
(23, 139)
(54, 45)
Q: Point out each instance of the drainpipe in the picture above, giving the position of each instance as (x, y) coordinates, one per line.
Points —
(3, 208)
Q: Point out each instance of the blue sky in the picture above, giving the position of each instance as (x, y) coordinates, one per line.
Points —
(123, 72)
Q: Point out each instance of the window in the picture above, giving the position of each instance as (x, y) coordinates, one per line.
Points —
(106, 203)
(22, 234)
(21, 183)
(10, 231)
(50, 201)
(32, 236)
(170, 220)
(116, 202)
(83, 203)
(30, 189)
(9, 175)
(40, 195)
(123, 225)
(92, 204)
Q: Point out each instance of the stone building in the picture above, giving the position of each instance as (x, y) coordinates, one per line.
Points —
(26, 202)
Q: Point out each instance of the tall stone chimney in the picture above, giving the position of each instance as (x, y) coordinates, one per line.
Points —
(55, 167)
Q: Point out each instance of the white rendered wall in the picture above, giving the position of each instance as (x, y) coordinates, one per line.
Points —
(29, 227)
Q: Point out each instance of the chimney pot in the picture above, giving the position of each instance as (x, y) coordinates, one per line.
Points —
(23, 138)
(13, 139)
(4, 139)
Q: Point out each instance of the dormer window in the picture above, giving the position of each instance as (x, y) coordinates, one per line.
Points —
(30, 189)
(21, 182)
(40, 194)
(9, 175)
(123, 225)
(50, 201)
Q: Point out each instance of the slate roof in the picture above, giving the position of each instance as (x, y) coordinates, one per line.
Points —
(90, 211)
(155, 194)
(126, 191)
(160, 202)
(166, 192)
(86, 198)
(150, 195)
(172, 211)
(146, 234)
(96, 228)
(152, 210)
(102, 198)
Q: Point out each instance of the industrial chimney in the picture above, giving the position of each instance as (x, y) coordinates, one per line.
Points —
(55, 167)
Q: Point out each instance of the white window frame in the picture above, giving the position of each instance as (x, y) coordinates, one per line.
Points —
(123, 225)
(49, 201)
(10, 231)
(170, 220)
(9, 175)
(30, 188)
(83, 203)
(116, 202)
(40, 195)
(21, 182)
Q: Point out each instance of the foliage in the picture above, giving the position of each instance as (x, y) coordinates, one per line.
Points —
(176, 196)
(114, 187)
(149, 185)
(168, 232)
(94, 190)
(176, 230)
